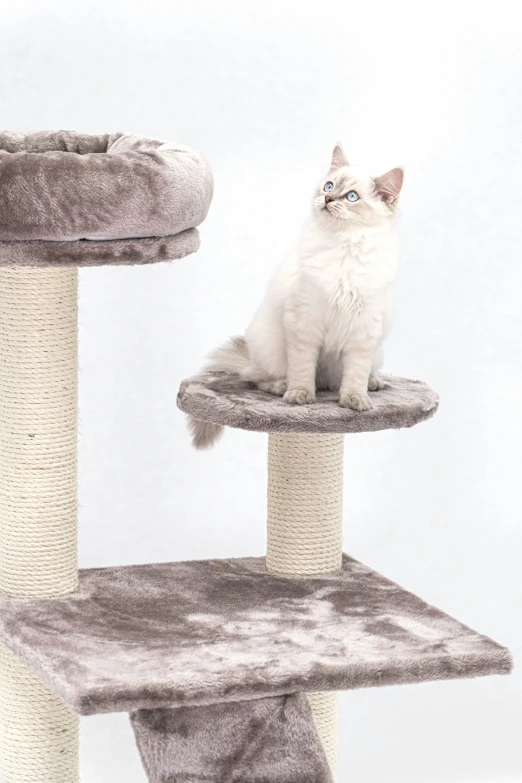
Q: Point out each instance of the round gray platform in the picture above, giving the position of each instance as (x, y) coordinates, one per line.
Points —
(224, 398)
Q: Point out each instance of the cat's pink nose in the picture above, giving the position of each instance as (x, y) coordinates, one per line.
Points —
(327, 199)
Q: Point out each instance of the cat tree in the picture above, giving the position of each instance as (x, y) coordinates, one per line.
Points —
(199, 653)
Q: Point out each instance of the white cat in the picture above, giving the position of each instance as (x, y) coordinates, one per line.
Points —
(328, 307)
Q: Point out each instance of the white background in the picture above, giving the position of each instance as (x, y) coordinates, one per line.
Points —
(264, 89)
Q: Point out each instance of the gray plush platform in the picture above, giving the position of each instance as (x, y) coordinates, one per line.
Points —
(163, 635)
(223, 398)
(73, 198)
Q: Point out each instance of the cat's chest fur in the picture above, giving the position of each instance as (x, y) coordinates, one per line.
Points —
(345, 279)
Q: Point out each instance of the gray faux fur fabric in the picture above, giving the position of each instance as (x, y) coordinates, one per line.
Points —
(149, 250)
(204, 632)
(223, 398)
(271, 740)
(67, 186)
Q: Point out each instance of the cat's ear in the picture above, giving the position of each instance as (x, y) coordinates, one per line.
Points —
(388, 186)
(339, 159)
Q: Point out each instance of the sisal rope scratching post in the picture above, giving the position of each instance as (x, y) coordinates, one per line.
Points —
(38, 502)
(304, 530)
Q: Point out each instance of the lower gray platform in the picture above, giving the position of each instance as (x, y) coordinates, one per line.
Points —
(203, 632)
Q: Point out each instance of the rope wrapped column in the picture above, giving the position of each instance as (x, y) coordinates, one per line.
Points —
(38, 502)
(304, 530)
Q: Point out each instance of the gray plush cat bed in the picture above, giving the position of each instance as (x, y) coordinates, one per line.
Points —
(68, 198)
(223, 398)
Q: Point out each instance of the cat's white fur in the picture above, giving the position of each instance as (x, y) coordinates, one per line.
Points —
(328, 307)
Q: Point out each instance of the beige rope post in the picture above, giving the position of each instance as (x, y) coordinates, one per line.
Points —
(38, 502)
(304, 530)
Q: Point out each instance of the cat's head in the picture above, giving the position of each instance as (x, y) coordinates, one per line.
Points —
(348, 196)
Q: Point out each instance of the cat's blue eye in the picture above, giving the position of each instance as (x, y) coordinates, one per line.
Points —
(328, 187)
(352, 195)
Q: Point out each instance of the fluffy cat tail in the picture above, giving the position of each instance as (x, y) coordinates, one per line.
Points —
(204, 433)
(230, 357)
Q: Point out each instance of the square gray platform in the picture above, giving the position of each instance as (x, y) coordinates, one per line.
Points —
(218, 630)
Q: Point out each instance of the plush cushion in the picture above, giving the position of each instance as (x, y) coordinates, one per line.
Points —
(223, 398)
(68, 186)
(271, 740)
(174, 634)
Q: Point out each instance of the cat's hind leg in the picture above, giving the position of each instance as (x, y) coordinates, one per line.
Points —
(264, 382)
(375, 382)
(273, 387)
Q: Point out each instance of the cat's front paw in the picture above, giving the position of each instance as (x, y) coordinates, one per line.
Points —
(375, 383)
(355, 401)
(299, 397)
